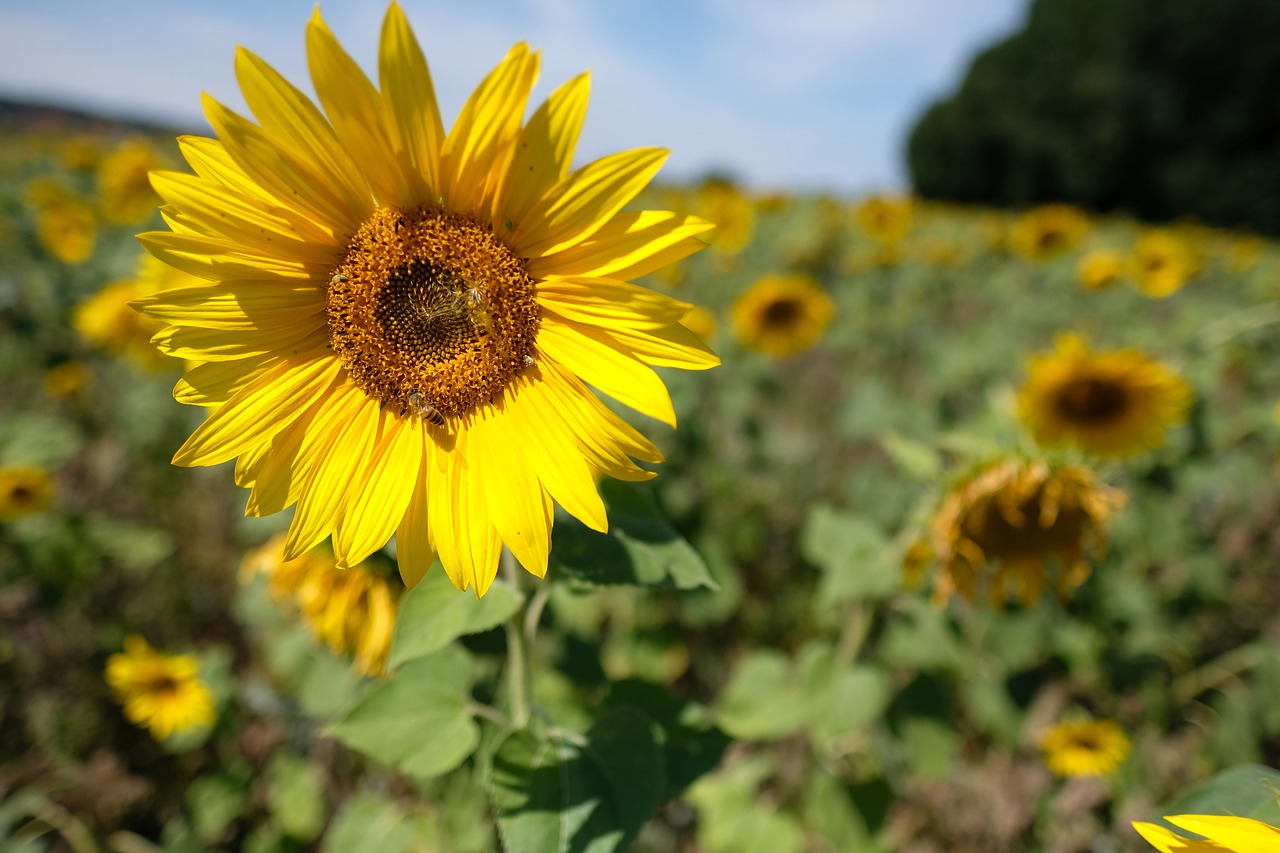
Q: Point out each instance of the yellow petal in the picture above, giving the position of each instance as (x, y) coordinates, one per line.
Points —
(358, 116)
(544, 150)
(485, 132)
(209, 159)
(1240, 834)
(460, 528)
(414, 554)
(222, 260)
(590, 355)
(626, 242)
(214, 383)
(516, 502)
(380, 499)
(287, 115)
(609, 304)
(669, 346)
(241, 305)
(299, 341)
(580, 204)
(257, 411)
(410, 100)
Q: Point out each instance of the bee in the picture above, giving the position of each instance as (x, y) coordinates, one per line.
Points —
(338, 277)
(421, 406)
(529, 360)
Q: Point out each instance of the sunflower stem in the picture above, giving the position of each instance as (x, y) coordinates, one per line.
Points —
(519, 684)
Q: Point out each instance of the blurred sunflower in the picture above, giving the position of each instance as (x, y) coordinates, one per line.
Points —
(782, 315)
(885, 219)
(1161, 264)
(125, 195)
(1099, 269)
(1014, 515)
(351, 610)
(159, 692)
(1048, 231)
(24, 490)
(66, 379)
(407, 321)
(81, 152)
(720, 201)
(700, 321)
(65, 227)
(1243, 254)
(1222, 832)
(1085, 747)
(1114, 403)
(107, 319)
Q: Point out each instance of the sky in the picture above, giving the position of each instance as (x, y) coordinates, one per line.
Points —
(802, 95)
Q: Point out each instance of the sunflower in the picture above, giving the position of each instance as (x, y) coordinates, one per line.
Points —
(66, 379)
(125, 195)
(1223, 833)
(1099, 269)
(160, 692)
(1085, 747)
(1008, 519)
(700, 321)
(24, 490)
(65, 226)
(405, 322)
(351, 610)
(719, 200)
(1114, 403)
(886, 219)
(108, 320)
(1048, 231)
(1161, 264)
(782, 315)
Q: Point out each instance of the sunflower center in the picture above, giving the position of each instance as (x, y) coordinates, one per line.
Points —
(162, 685)
(1092, 400)
(431, 313)
(782, 313)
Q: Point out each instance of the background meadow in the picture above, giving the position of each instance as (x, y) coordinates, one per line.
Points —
(756, 658)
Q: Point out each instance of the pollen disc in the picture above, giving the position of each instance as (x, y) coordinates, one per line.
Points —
(431, 313)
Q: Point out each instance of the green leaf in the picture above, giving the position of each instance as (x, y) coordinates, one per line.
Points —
(296, 796)
(840, 698)
(35, 439)
(853, 554)
(916, 459)
(759, 702)
(435, 613)
(367, 822)
(641, 547)
(1249, 790)
(132, 545)
(691, 743)
(214, 801)
(560, 793)
(419, 720)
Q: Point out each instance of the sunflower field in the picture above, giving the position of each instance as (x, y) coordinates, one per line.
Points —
(965, 538)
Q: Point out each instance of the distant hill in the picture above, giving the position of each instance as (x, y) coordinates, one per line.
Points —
(16, 115)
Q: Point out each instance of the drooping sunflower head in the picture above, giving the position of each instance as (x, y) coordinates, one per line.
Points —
(1048, 231)
(24, 490)
(162, 693)
(885, 219)
(1085, 747)
(1099, 269)
(403, 322)
(999, 528)
(1161, 263)
(1112, 403)
(782, 315)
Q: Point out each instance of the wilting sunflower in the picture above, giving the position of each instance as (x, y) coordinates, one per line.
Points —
(24, 490)
(782, 315)
(162, 693)
(1161, 264)
(1114, 403)
(1002, 525)
(1222, 832)
(125, 194)
(1085, 747)
(1048, 231)
(351, 610)
(886, 219)
(1099, 269)
(406, 321)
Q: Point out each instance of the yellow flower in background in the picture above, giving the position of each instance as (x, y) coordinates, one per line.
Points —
(1221, 832)
(1113, 403)
(721, 202)
(407, 320)
(1085, 747)
(1048, 231)
(66, 379)
(1161, 264)
(125, 195)
(81, 152)
(1243, 254)
(1003, 523)
(67, 230)
(782, 315)
(351, 610)
(107, 319)
(24, 490)
(700, 321)
(159, 692)
(886, 219)
(1099, 269)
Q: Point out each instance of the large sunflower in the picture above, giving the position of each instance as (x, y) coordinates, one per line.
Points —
(1113, 403)
(402, 323)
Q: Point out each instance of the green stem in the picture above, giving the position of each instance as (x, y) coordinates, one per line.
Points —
(1213, 674)
(518, 681)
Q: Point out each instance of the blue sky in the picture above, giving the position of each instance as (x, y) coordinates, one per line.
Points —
(805, 94)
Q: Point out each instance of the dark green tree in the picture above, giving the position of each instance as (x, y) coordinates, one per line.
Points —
(1163, 108)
